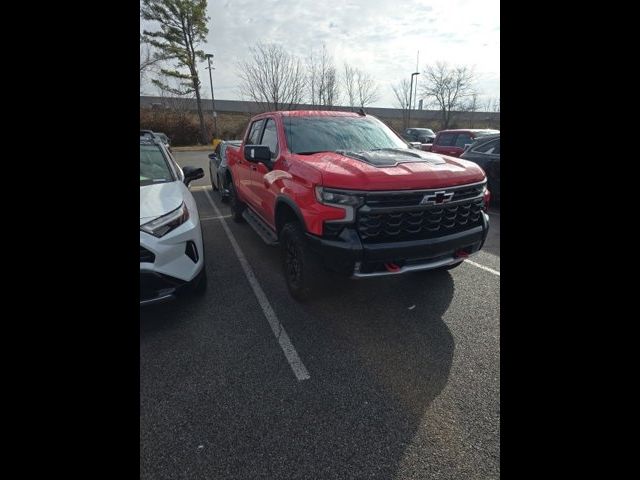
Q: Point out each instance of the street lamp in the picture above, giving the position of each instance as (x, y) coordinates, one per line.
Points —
(213, 100)
(410, 94)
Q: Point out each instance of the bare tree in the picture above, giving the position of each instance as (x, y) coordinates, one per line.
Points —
(272, 78)
(402, 91)
(366, 88)
(349, 81)
(447, 88)
(471, 106)
(322, 79)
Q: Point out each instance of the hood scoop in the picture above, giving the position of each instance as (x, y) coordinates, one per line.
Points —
(390, 157)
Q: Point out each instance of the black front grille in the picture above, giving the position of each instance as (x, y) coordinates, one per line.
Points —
(146, 255)
(419, 223)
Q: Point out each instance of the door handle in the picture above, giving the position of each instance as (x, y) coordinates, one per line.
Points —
(254, 168)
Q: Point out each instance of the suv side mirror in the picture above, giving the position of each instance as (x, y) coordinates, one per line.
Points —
(191, 174)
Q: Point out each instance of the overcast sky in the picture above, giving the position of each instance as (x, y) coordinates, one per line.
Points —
(381, 37)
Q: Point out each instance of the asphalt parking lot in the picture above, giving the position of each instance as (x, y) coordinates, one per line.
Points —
(402, 373)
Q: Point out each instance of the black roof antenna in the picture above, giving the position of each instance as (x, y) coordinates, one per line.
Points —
(361, 112)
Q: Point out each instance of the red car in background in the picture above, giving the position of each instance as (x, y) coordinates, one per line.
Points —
(453, 142)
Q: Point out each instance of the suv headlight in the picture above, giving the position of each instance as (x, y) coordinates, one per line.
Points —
(164, 224)
(338, 198)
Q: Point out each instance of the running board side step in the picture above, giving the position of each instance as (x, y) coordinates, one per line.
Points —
(265, 232)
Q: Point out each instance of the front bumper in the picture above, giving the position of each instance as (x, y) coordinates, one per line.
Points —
(348, 255)
(171, 263)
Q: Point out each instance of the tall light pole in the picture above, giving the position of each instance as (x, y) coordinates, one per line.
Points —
(410, 92)
(213, 100)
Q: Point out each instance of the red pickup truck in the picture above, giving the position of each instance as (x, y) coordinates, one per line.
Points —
(341, 191)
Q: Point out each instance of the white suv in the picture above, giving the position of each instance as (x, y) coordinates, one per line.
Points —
(171, 249)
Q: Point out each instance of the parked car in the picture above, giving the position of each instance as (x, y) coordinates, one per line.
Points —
(165, 139)
(341, 191)
(218, 172)
(485, 151)
(453, 142)
(422, 135)
(158, 136)
(171, 248)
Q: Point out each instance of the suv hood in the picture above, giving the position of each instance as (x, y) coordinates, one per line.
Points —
(393, 170)
(159, 199)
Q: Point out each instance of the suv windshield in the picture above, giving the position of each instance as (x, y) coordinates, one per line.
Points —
(153, 166)
(306, 135)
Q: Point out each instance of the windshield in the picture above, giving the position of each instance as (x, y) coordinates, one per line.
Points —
(307, 135)
(153, 166)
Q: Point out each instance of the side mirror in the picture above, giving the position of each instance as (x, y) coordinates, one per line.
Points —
(416, 145)
(258, 154)
(191, 174)
(212, 156)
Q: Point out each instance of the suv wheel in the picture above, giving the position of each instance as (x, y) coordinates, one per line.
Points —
(302, 269)
(201, 286)
(224, 197)
(237, 206)
(213, 185)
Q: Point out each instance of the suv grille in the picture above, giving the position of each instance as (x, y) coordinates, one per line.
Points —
(146, 255)
(397, 217)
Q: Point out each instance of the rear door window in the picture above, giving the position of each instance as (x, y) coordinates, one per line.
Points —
(446, 139)
(463, 139)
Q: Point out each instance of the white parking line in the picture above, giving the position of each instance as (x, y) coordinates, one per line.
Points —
(215, 218)
(491, 270)
(299, 370)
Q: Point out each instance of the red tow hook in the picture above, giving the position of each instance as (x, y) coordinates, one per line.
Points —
(461, 254)
(392, 267)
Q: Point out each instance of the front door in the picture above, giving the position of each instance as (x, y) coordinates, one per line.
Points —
(262, 189)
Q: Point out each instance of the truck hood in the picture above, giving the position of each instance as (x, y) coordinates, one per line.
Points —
(159, 199)
(393, 170)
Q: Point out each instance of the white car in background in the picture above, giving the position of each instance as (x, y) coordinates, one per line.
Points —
(171, 249)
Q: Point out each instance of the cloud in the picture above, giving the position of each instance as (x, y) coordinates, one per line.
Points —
(381, 37)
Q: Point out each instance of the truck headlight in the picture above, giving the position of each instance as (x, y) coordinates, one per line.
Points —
(164, 224)
(337, 198)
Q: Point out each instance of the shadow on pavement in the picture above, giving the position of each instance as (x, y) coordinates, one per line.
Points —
(378, 353)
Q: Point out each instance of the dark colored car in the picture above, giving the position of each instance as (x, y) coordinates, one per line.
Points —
(453, 142)
(218, 168)
(157, 136)
(422, 135)
(486, 153)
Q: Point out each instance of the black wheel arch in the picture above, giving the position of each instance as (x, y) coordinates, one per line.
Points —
(286, 210)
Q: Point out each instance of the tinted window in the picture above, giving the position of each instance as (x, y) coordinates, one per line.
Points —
(463, 139)
(446, 139)
(486, 147)
(270, 137)
(254, 133)
(328, 134)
